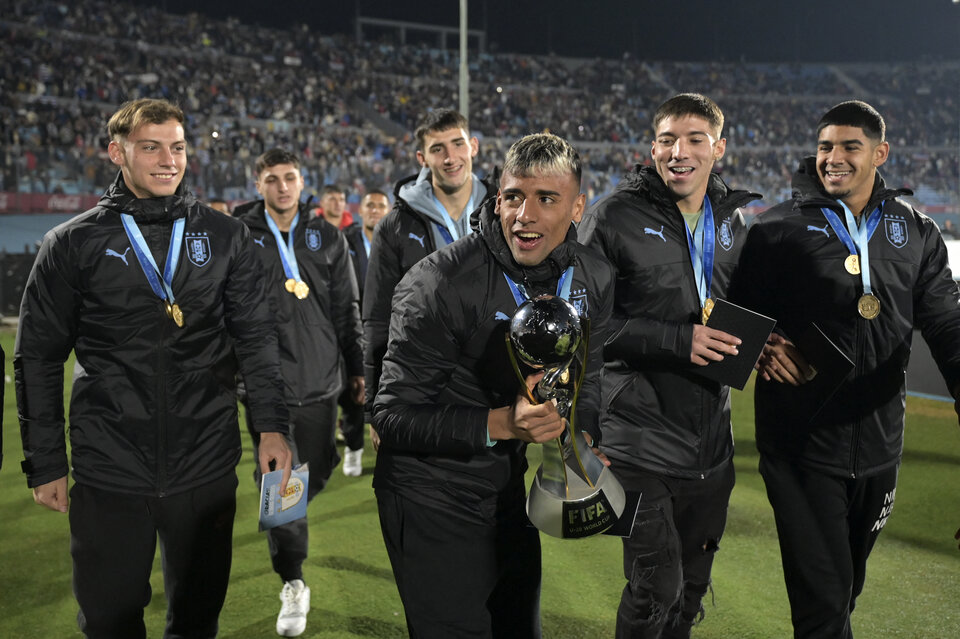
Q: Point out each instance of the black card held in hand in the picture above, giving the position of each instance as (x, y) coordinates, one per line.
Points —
(752, 328)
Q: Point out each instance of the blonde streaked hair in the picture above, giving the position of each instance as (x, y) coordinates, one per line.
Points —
(542, 154)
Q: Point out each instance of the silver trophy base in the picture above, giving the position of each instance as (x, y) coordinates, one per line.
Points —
(586, 510)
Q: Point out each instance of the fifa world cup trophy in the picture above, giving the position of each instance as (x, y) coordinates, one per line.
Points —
(573, 494)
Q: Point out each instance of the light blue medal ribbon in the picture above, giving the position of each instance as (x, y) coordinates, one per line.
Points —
(366, 243)
(160, 282)
(856, 238)
(563, 287)
(700, 243)
(449, 230)
(288, 258)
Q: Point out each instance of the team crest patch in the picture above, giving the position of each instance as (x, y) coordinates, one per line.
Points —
(725, 237)
(895, 227)
(198, 248)
(579, 301)
(313, 239)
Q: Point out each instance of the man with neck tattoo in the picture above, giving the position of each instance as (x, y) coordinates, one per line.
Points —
(312, 288)
(431, 209)
(851, 256)
(673, 232)
(452, 421)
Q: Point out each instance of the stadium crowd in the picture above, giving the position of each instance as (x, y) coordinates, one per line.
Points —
(348, 106)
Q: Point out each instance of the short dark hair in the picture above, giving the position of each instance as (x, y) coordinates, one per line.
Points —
(690, 104)
(274, 157)
(855, 113)
(376, 192)
(331, 188)
(542, 154)
(439, 120)
(134, 114)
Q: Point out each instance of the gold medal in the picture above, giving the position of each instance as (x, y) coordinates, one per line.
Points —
(707, 309)
(290, 284)
(852, 264)
(168, 309)
(177, 315)
(301, 290)
(868, 306)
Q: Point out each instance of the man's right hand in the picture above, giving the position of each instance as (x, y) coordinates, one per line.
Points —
(53, 495)
(532, 423)
(710, 345)
(782, 362)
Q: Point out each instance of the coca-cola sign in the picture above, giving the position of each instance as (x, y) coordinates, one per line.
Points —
(64, 203)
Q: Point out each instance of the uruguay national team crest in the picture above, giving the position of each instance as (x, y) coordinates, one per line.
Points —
(198, 248)
(895, 227)
(579, 300)
(313, 239)
(725, 237)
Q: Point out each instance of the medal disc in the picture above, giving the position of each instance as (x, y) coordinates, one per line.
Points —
(868, 306)
(301, 290)
(168, 308)
(852, 264)
(707, 309)
(177, 315)
(290, 284)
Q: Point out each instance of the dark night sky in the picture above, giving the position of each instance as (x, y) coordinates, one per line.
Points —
(752, 30)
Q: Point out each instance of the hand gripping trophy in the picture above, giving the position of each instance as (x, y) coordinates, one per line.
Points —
(573, 494)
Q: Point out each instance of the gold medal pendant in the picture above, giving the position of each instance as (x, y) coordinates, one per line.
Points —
(290, 284)
(301, 290)
(852, 264)
(177, 315)
(707, 309)
(168, 308)
(868, 306)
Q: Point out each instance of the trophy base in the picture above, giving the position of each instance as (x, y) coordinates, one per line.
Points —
(586, 510)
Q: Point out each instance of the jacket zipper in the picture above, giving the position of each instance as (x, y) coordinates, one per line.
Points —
(857, 425)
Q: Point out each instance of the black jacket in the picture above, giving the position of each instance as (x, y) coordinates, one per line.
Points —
(659, 414)
(154, 411)
(315, 331)
(400, 240)
(792, 270)
(358, 253)
(447, 366)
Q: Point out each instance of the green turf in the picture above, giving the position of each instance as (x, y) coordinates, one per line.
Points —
(912, 583)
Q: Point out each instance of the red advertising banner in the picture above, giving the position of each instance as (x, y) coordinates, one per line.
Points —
(20, 203)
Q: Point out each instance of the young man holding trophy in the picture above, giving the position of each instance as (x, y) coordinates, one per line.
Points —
(453, 423)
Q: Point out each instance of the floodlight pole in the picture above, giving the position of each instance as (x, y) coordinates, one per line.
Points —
(464, 74)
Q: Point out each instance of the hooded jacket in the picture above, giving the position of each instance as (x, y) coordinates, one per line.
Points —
(792, 269)
(447, 365)
(314, 332)
(659, 414)
(400, 240)
(154, 411)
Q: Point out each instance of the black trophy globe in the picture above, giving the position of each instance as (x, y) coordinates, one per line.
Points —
(545, 332)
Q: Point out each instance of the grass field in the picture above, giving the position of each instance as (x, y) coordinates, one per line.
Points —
(912, 585)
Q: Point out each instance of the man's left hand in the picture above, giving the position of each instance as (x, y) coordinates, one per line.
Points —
(596, 451)
(357, 389)
(273, 448)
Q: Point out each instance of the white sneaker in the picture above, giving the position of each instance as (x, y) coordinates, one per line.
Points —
(352, 466)
(292, 620)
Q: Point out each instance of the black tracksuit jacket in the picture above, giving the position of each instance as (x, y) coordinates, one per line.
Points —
(447, 365)
(400, 240)
(316, 331)
(155, 411)
(792, 270)
(659, 414)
